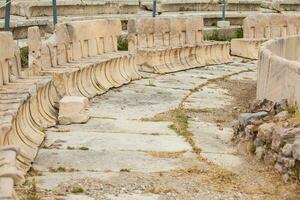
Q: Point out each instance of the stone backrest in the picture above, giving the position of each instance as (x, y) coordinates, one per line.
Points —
(10, 65)
(279, 70)
(164, 32)
(73, 41)
(268, 26)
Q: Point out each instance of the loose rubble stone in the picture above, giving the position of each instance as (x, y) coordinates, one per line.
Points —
(73, 109)
(248, 118)
(262, 105)
(259, 152)
(281, 106)
(271, 136)
(283, 115)
(265, 132)
(296, 149)
(287, 150)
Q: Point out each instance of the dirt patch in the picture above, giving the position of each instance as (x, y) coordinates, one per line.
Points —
(243, 92)
(165, 154)
(183, 184)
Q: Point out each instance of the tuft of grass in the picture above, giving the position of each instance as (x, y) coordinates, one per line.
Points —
(83, 148)
(151, 83)
(125, 170)
(24, 57)
(62, 169)
(31, 190)
(77, 190)
(239, 33)
(165, 154)
(70, 148)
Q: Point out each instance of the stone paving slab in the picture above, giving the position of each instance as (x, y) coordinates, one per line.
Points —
(103, 161)
(209, 97)
(153, 100)
(96, 141)
(118, 126)
(210, 138)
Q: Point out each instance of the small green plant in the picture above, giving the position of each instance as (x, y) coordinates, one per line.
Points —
(172, 127)
(83, 148)
(214, 36)
(31, 190)
(122, 43)
(24, 57)
(70, 148)
(151, 83)
(77, 190)
(239, 33)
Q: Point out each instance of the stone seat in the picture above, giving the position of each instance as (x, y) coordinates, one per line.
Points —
(165, 45)
(9, 174)
(259, 28)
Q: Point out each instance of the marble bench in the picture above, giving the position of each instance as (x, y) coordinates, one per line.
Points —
(163, 45)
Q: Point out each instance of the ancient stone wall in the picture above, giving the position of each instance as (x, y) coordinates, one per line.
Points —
(259, 28)
(171, 44)
(31, 8)
(278, 70)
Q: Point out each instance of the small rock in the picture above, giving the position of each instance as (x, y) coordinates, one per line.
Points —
(285, 124)
(286, 178)
(270, 158)
(278, 167)
(282, 136)
(287, 150)
(250, 147)
(263, 105)
(288, 162)
(250, 118)
(250, 131)
(258, 142)
(265, 132)
(296, 149)
(73, 109)
(259, 152)
(296, 124)
(283, 115)
(281, 106)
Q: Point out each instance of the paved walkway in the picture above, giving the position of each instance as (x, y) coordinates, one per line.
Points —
(157, 138)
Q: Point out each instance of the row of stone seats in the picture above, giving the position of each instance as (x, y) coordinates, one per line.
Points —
(70, 62)
(259, 28)
(9, 174)
(81, 59)
(25, 102)
(165, 45)
(81, 62)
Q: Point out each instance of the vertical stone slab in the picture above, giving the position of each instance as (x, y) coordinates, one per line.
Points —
(113, 30)
(178, 31)
(63, 44)
(161, 32)
(194, 27)
(145, 32)
(7, 53)
(132, 35)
